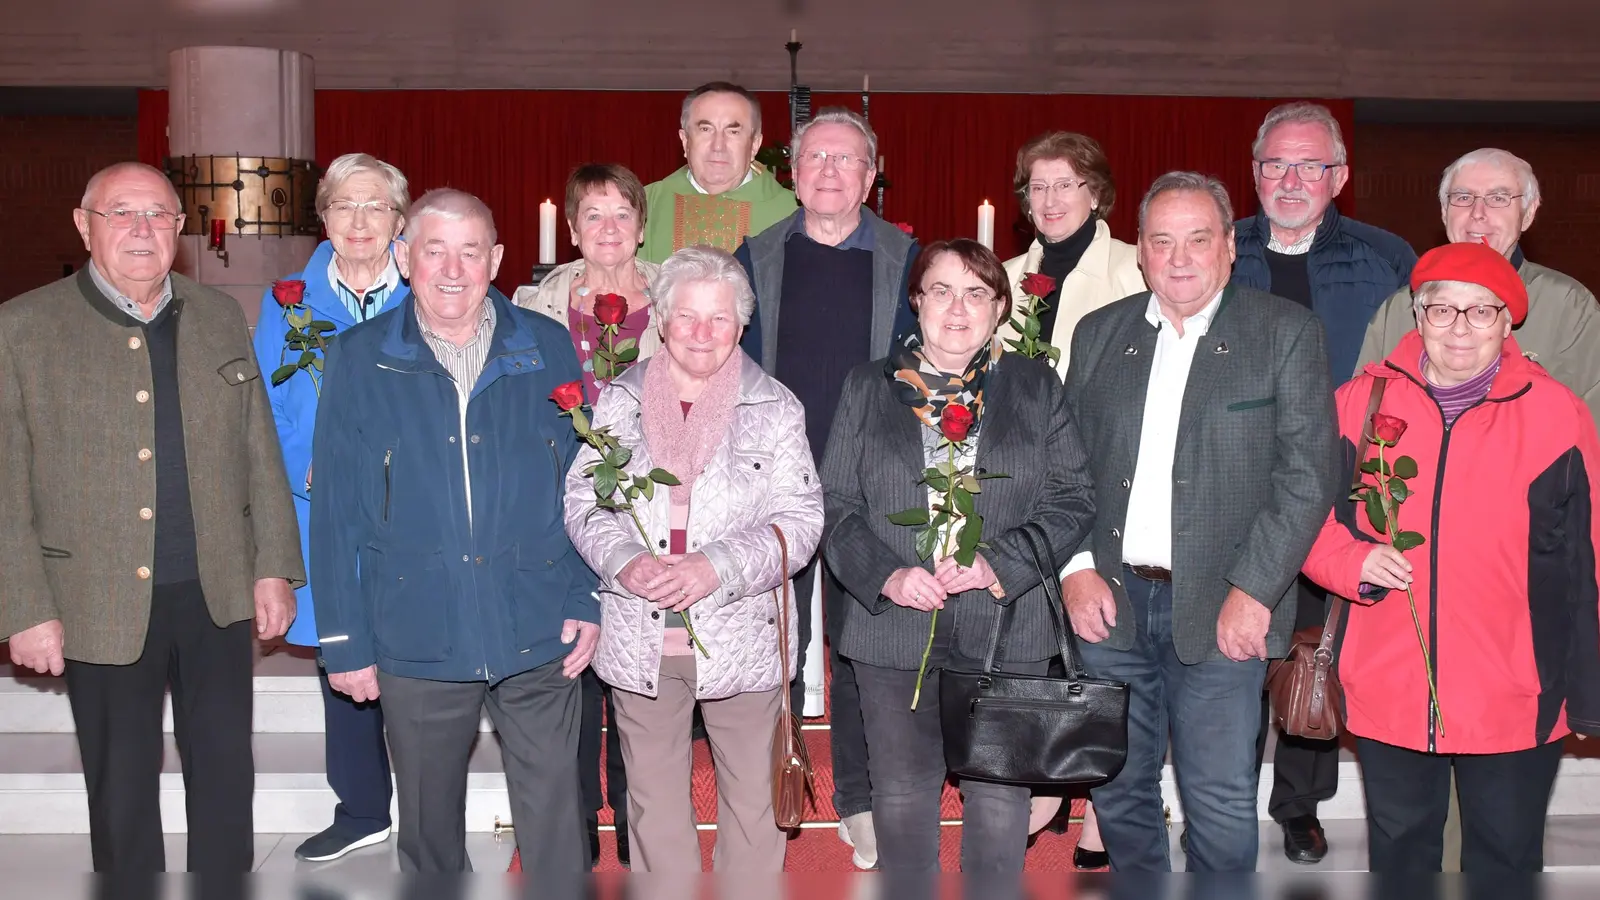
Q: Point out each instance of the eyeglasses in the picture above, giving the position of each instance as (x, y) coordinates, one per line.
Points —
(1443, 315)
(1308, 171)
(1496, 200)
(844, 162)
(1039, 190)
(942, 296)
(122, 219)
(344, 209)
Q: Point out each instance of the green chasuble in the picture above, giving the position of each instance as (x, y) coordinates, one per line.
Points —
(680, 216)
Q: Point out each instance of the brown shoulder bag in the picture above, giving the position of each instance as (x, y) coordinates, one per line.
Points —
(1307, 700)
(791, 762)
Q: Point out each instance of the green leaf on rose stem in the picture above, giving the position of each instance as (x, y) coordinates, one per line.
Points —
(1405, 467)
(293, 334)
(969, 483)
(619, 457)
(1016, 346)
(602, 368)
(648, 486)
(1406, 540)
(605, 481)
(1030, 328)
(626, 345)
(965, 556)
(1375, 513)
(964, 503)
(938, 482)
(321, 326)
(985, 476)
(1398, 489)
(1370, 466)
(627, 356)
(1016, 324)
(913, 516)
(317, 364)
(662, 476)
(971, 533)
(306, 357)
(927, 542)
(606, 503)
(946, 468)
(1054, 352)
(580, 422)
(283, 373)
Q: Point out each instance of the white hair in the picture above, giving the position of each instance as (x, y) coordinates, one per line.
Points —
(1301, 113)
(701, 265)
(1427, 289)
(1190, 181)
(1491, 156)
(451, 204)
(352, 164)
(838, 115)
(91, 191)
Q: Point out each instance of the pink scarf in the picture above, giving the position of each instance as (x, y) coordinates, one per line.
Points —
(683, 445)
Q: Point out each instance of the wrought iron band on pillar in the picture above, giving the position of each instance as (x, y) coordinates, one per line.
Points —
(246, 195)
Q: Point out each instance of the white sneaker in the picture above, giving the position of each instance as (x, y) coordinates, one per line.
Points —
(857, 832)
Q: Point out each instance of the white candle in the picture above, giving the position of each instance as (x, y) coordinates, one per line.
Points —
(547, 233)
(866, 81)
(986, 225)
(794, 37)
(880, 165)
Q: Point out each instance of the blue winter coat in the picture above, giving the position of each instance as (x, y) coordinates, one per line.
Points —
(294, 405)
(404, 578)
(1354, 267)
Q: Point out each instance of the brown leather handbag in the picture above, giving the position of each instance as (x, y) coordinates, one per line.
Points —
(791, 762)
(1307, 700)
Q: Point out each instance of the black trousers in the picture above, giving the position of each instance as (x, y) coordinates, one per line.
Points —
(1304, 772)
(1504, 800)
(117, 710)
(358, 761)
(598, 708)
(847, 738)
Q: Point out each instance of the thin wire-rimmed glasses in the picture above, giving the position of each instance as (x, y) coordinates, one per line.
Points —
(1443, 315)
(1039, 190)
(122, 219)
(346, 209)
(1272, 170)
(1495, 200)
(844, 162)
(942, 296)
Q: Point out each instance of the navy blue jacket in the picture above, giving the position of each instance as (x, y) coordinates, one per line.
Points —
(404, 579)
(1353, 268)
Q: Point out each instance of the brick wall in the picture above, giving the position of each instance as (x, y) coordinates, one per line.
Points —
(1397, 169)
(44, 163)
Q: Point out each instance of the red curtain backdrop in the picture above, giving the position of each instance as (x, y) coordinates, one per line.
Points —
(945, 153)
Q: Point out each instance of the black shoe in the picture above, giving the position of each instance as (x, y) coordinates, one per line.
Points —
(336, 841)
(1304, 841)
(594, 843)
(1183, 839)
(622, 845)
(1085, 860)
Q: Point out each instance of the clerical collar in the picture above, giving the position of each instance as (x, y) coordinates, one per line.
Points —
(696, 185)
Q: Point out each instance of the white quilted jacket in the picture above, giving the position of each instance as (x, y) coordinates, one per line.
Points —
(762, 475)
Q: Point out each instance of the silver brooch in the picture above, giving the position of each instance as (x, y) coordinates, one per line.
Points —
(1130, 350)
(1221, 348)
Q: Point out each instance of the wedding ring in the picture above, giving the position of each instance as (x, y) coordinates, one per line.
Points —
(683, 592)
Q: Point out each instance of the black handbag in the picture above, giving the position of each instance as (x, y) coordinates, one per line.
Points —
(1034, 730)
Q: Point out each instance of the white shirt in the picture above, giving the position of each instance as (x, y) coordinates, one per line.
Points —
(1147, 534)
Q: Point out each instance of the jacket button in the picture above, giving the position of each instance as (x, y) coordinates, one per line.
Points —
(145, 454)
(772, 621)
(982, 471)
(758, 467)
(143, 573)
(452, 439)
(147, 513)
(1126, 484)
(1115, 533)
(648, 686)
(142, 396)
(474, 439)
(238, 376)
(134, 343)
(465, 558)
(655, 615)
(662, 543)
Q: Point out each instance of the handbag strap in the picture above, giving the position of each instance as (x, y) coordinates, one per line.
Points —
(1035, 536)
(783, 623)
(1336, 608)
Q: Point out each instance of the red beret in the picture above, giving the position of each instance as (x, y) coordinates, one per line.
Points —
(1477, 264)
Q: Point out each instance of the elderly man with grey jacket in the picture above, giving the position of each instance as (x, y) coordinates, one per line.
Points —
(832, 291)
(1208, 417)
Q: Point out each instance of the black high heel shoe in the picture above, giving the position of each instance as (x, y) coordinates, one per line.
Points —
(1085, 860)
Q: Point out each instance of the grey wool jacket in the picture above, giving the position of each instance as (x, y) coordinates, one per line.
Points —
(871, 470)
(75, 437)
(1256, 467)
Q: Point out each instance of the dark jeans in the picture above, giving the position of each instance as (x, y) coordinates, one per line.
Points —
(906, 759)
(1213, 710)
(117, 711)
(1305, 772)
(847, 737)
(1504, 798)
(358, 761)
(598, 708)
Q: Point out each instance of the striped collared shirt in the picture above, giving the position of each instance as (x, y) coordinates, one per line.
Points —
(464, 363)
(125, 303)
(1298, 248)
(363, 305)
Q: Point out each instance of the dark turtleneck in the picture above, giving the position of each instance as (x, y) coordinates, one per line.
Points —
(1057, 261)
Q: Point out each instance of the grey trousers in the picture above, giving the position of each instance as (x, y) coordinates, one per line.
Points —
(432, 726)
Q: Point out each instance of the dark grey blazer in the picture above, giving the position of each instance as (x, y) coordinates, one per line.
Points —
(1256, 467)
(870, 470)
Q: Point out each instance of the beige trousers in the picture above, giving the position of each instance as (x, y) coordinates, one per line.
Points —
(659, 756)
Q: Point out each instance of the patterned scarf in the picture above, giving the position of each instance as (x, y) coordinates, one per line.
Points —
(920, 384)
(683, 445)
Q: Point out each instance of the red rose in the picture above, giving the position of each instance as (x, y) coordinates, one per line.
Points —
(955, 422)
(1387, 429)
(904, 226)
(610, 309)
(568, 396)
(1038, 284)
(288, 293)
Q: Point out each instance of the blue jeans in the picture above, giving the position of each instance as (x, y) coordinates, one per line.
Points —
(1214, 712)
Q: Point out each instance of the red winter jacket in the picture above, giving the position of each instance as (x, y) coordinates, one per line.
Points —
(1506, 585)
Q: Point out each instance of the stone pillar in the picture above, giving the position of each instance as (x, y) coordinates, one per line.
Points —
(242, 150)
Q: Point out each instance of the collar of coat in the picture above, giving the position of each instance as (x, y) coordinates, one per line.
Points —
(755, 386)
(514, 349)
(1514, 379)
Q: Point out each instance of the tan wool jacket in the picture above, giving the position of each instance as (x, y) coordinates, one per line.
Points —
(79, 476)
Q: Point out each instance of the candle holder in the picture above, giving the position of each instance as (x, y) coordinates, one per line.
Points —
(218, 240)
(799, 94)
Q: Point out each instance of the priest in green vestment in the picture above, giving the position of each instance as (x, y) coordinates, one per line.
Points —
(723, 194)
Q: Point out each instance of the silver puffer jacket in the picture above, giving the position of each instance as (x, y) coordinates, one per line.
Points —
(763, 475)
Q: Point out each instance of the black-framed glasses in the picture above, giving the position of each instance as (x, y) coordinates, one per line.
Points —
(1443, 315)
(1495, 200)
(122, 219)
(1272, 170)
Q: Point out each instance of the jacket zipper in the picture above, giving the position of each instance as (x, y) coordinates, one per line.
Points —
(1433, 580)
(972, 708)
(387, 456)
